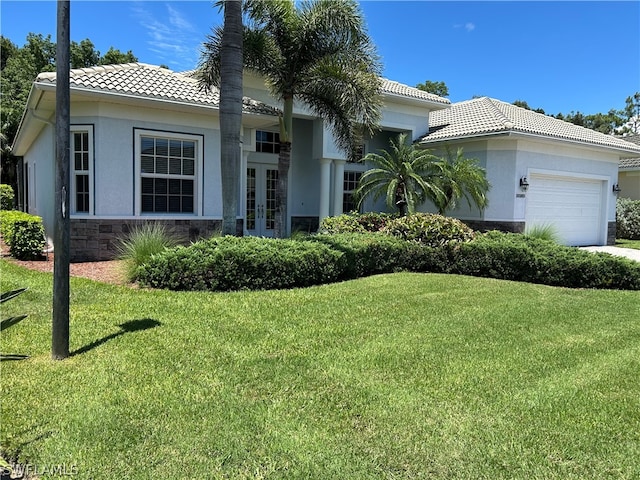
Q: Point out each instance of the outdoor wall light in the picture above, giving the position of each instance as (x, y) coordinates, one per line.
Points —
(524, 184)
(616, 188)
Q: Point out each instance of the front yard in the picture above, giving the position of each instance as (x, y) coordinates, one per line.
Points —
(392, 376)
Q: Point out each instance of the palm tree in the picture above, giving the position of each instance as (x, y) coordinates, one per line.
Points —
(317, 53)
(226, 74)
(402, 175)
(459, 177)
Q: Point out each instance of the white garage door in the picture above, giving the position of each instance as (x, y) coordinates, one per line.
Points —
(572, 205)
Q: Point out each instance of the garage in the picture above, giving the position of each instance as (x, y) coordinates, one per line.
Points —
(573, 205)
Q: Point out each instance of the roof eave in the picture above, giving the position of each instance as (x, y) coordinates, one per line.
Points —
(418, 102)
(515, 133)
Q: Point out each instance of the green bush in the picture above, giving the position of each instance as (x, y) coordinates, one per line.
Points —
(356, 222)
(628, 219)
(23, 233)
(374, 253)
(543, 232)
(6, 197)
(429, 229)
(247, 263)
(141, 243)
(518, 257)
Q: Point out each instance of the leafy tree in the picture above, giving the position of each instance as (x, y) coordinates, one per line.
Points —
(402, 175)
(115, 57)
(632, 112)
(459, 177)
(84, 54)
(524, 104)
(315, 52)
(437, 88)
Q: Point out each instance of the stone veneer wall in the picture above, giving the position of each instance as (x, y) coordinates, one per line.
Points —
(611, 233)
(97, 239)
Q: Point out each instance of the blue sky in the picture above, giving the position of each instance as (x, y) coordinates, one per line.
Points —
(559, 56)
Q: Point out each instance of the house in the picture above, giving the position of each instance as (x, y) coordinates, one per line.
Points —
(544, 171)
(145, 147)
(629, 172)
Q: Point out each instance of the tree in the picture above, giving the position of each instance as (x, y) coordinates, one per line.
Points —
(402, 175)
(632, 112)
(115, 57)
(458, 177)
(230, 111)
(437, 88)
(84, 54)
(317, 53)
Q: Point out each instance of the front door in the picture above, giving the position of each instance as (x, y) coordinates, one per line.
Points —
(262, 182)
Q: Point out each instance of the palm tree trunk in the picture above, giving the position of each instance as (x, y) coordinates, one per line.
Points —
(284, 161)
(230, 112)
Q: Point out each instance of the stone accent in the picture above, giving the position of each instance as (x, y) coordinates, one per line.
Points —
(611, 233)
(97, 239)
(487, 225)
(305, 224)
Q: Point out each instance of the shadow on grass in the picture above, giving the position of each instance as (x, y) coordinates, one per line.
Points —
(126, 327)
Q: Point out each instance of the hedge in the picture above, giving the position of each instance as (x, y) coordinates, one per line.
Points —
(511, 256)
(6, 197)
(23, 233)
(246, 263)
(628, 219)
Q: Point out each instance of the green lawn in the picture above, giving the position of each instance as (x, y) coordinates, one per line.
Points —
(628, 243)
(391, 377)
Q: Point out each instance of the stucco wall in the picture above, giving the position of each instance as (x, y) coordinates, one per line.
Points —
(629, 183)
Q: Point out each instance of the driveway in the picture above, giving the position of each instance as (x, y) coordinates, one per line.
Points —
(617, 251)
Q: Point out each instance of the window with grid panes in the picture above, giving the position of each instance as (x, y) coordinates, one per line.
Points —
(81, 168)
(167, 174)
(351, 180)
(267, 142)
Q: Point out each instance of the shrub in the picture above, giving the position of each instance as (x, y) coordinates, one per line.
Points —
(429, 229)
(6, 197)
(543, 232)
(23, 233)
(628, 219)
(517, 257)
(141, 243)
(246, 263)
(356, 222)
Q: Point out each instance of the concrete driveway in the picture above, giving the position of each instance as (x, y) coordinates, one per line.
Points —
(617, 251)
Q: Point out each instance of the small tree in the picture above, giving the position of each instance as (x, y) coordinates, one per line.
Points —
(402, 175)
(459, 177)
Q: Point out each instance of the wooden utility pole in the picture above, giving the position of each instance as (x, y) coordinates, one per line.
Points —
(62, 225)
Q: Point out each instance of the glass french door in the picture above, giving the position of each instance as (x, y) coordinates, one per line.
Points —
(262, 182)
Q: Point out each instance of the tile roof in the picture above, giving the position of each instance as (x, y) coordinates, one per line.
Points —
(396, 88)
(630, 163)
(487, 116)
(149, 81)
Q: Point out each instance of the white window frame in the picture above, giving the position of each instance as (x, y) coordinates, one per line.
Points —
(88, 129)
(275, 144)
(197, 177)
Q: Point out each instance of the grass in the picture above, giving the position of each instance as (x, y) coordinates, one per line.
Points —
(628, 243)
(391, 376)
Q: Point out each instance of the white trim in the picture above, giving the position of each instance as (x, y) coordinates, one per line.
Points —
(198, 177)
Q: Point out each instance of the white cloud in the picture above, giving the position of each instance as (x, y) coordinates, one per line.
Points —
(469, 26)
(173, 39)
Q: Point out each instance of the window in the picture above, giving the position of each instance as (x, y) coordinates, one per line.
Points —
(82, 169)
(267, 142)
(351, 180)
(168, 166)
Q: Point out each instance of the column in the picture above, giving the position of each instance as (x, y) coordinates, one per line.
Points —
(325, 187)
(338, 186)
